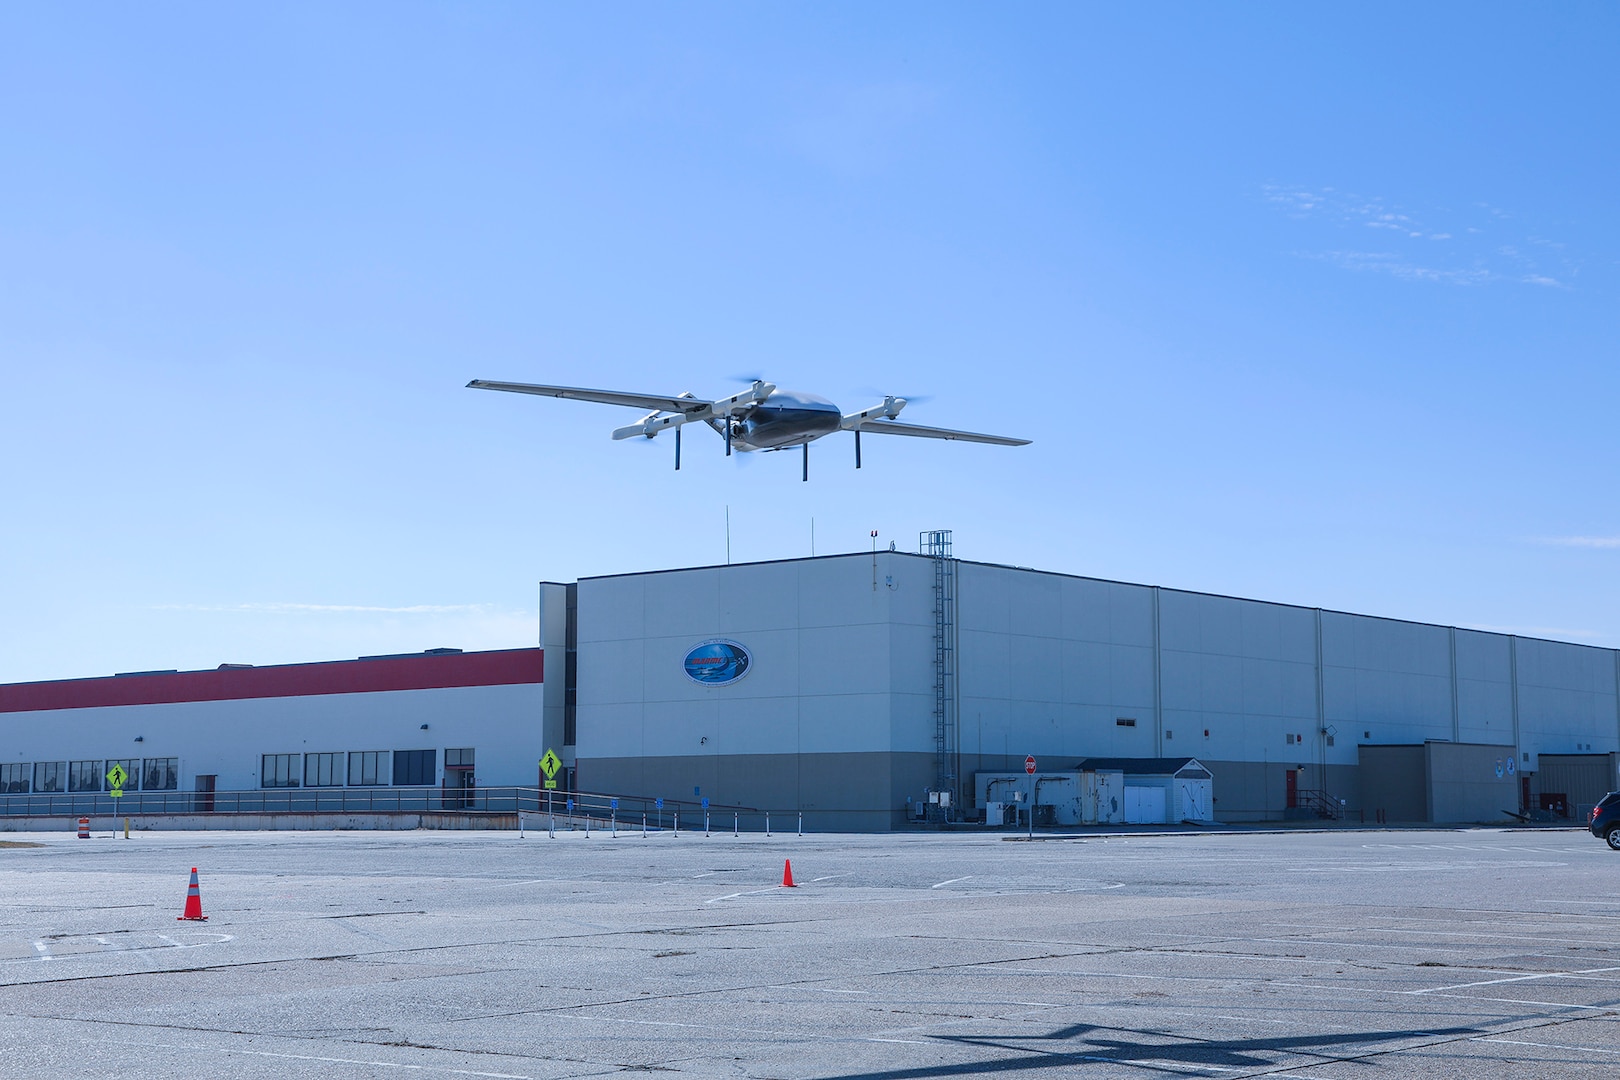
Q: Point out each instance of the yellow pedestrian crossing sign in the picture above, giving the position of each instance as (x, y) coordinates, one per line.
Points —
(551, 764)
(115, 778)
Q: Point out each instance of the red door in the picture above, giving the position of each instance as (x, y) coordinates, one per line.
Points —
(1290, 789)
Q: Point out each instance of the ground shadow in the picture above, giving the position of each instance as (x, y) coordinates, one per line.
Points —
(1141, 1049)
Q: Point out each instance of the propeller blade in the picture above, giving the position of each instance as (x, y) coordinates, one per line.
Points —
(857, 448)
(911, 399)
(677, 449)
(806, 476)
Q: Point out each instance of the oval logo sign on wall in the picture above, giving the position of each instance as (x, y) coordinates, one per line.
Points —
(718, 662)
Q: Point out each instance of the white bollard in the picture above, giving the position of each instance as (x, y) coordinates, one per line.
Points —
(767, 823)
(801, 822)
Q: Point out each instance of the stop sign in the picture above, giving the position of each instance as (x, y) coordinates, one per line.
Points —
(1029, 765)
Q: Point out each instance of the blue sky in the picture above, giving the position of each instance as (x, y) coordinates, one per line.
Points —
(1305, 303)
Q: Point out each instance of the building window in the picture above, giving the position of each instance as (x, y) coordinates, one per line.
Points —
(161, 774)
(414, 767)
(458, 759)
(49, 775)
(279, 770)
(132, 773)
(1126, 721)
(14, 778)
(84, 776)
(1290, 740)
(323, 770)
(368, 767)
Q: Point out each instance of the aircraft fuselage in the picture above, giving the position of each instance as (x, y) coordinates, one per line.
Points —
(786, 418)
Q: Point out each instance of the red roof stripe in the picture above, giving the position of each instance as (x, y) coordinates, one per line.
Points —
(507, 667)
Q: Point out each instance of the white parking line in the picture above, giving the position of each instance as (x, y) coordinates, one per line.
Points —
(1544, 1046)
(335, 1060)
(1523, 978)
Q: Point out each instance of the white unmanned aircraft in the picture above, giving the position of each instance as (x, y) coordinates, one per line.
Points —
(760, 418)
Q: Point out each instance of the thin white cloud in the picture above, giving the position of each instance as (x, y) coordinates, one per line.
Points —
(1395, 265)
(332, 609)
(1602, 542)
(1532, 260)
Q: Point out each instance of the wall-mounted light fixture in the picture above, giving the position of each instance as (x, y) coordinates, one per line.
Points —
(140, 738)
(424, 727)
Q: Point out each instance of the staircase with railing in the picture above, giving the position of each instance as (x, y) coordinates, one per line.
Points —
(1320, 803)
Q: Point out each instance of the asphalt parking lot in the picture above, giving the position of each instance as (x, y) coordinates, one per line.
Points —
(358, 954)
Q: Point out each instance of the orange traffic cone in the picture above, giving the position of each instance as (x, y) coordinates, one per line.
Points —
(193, 901)
(787, 874)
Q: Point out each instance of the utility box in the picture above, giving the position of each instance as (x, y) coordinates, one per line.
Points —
(995, 814)
(1055, 798)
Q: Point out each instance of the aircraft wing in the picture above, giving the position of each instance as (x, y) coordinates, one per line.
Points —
(605, 397)
(891, 427)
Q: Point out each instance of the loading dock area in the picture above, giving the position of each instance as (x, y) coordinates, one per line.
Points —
(1440, 783)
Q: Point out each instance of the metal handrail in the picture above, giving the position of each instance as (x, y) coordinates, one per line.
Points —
(366, 800)
(1320, 801)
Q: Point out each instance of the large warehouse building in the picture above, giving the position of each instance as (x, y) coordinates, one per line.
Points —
(858, 688)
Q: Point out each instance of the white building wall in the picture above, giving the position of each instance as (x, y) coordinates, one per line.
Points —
(1567, 698)
(1484, 687)
(835, 660)
(1243, 670)
(1048, 663)
(1385, 681)
(226, 738)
